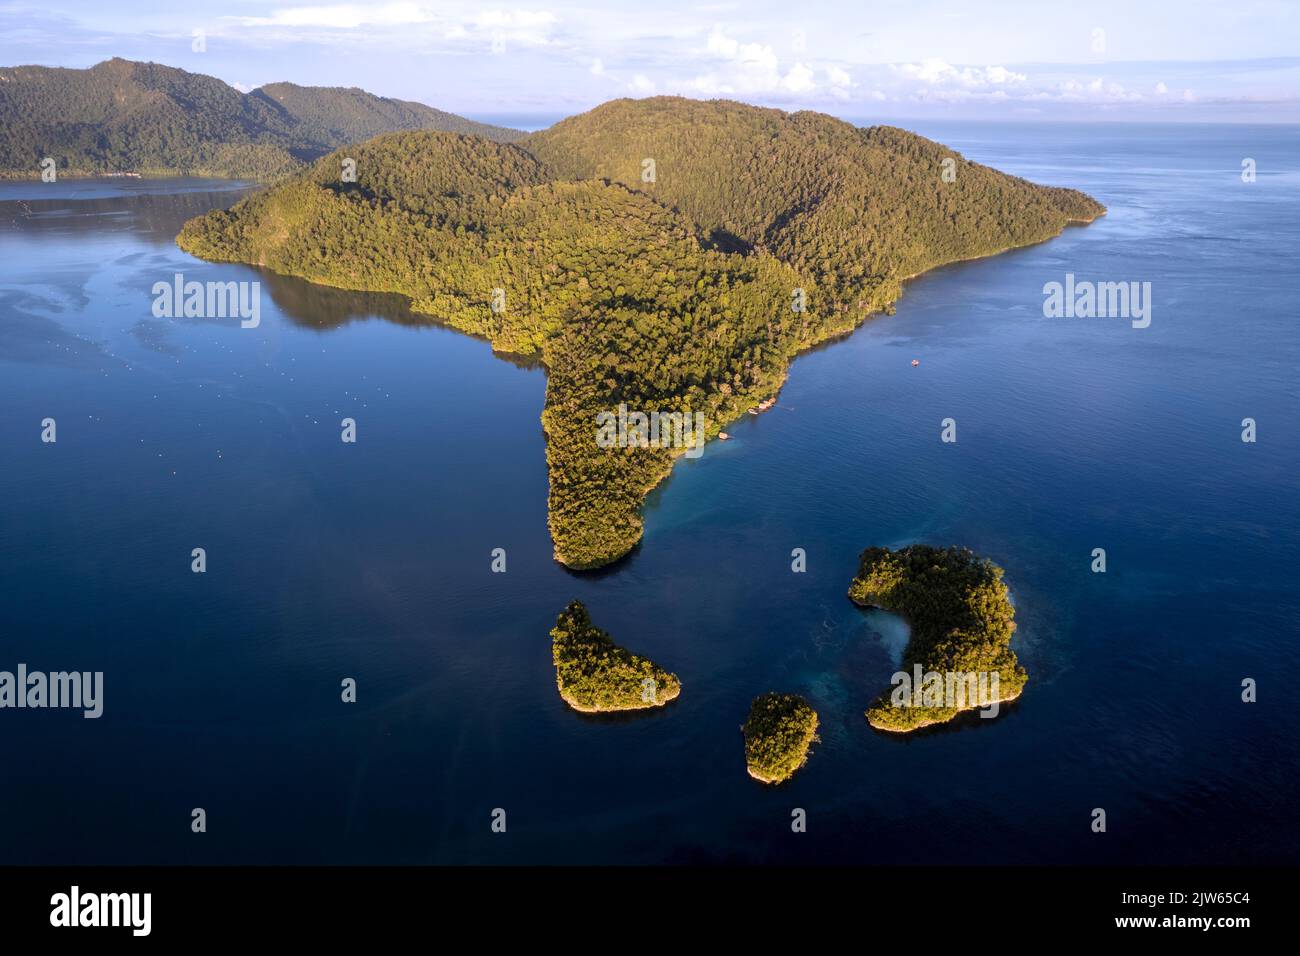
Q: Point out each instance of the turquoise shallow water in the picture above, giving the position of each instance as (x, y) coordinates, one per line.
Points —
(371, 561)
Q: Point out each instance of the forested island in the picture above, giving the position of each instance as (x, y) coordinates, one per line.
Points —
(121, 116)
(961, 621)
(595, 675)
(663, 254)
(778, 732)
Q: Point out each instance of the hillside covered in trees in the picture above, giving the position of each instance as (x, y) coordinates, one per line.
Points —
(961, 620)
(685, 295)
(854, 210)
(122, 116)
(335, 115)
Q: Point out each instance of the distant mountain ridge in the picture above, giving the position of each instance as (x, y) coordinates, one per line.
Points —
(338, 115)
(123, 116)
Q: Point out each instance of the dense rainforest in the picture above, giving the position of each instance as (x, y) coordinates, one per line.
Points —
(595, 674)
(778, 732)
(961, 621)
(853, 210)
(762, 234)
(121, 116)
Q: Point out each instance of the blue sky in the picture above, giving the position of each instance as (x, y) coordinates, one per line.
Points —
(1178, 60)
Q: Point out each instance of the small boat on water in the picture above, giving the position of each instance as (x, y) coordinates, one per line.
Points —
(915, 362)
(723, 435)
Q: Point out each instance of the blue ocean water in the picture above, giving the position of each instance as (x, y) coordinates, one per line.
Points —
(372, 561)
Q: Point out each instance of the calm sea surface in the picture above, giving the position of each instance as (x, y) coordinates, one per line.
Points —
(372, 561)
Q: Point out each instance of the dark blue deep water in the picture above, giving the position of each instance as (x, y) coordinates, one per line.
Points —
(372, 560)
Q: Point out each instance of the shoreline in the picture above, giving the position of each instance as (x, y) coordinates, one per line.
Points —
(1070, 221)
(946, 720)
(583, 709)
(22, 176)
(828, 337)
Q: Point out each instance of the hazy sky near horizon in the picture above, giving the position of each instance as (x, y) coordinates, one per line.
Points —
(1180, 60)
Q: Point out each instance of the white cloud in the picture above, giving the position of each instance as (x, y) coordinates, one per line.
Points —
(737, 68)
(530, 27)
(405, 20)
(937, 73)
(1097, 90)
(839, 82)
(704, 48)
(343, 16)
(799, 79)
(755, 56)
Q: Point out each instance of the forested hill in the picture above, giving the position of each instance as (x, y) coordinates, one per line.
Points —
(856, 208)
(122, 116)
(336, 115)
(628, 291)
